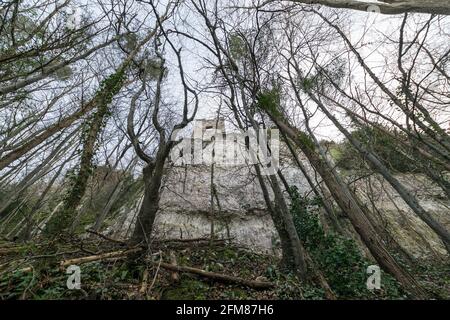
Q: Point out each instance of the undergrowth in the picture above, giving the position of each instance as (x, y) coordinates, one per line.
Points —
(339, 258)
(33, 271)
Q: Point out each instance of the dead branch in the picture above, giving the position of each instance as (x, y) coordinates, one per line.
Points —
(194, 240)
(11, 249)
(105, 237)
(182, 243)
(144, 284)
(115, 254)
(173, 261)
(219, 277)
(211, 275)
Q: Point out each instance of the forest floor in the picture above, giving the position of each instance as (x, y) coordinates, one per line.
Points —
(111, 270)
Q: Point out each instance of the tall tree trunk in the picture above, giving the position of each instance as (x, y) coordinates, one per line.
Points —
(25, 235)
(112, 199)
(386, 6)
(327, 205)
(62, 220)
(299, 256)
(346, 201)
(288, 250)
(103, 94)
(378, 166)
(41, 170)
(152, 174)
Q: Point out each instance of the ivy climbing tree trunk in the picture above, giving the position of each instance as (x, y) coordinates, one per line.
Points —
(62, 219)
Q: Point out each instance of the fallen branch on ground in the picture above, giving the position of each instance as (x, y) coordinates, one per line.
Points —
(115, 254)
(7, 250)
(194, 240)
(219, 277)
(207, 274)
(144, 284)
(173, 261)
(105, 237)
(178, 243)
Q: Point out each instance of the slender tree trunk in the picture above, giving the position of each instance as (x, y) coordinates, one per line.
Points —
(329, 211)
(387, 6)
(37, 173)
(50, 131)
(378, 166)
(346, 200)
(298, 249)
(153, 174)
(25, 235)
(63, 219)
(112, 199)
(109, 88)
(212, 211)
(288, 249)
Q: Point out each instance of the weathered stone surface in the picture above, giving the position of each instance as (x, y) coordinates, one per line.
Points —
(411, 232)
(186, 210)
(185, 206)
